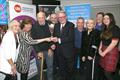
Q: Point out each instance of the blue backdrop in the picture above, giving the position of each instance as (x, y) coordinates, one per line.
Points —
(75, 11)
(3, 12)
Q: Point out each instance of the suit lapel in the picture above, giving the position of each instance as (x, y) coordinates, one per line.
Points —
(64, 28)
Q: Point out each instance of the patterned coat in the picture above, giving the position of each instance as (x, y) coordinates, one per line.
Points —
(23, 60)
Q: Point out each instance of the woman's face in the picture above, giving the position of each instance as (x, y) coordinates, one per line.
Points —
(27, 27)
(16, 27)
(106, 20)
(90, 24)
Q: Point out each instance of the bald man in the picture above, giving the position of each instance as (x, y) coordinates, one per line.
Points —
(41, 30)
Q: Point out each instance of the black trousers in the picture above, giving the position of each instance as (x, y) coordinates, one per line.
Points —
(65, 67)
(87, 69)
(108, 75)
(10, 77)
(55, 63)
(24, 76)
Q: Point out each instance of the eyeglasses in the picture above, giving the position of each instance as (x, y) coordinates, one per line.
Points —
(62, 17)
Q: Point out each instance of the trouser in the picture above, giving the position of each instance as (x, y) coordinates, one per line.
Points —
(24, 76)
(65, 67)
(108, 75)
(55, 63)
(87, 67)
(77, 59)
(49, 63)
(4, 76)
(10, 77)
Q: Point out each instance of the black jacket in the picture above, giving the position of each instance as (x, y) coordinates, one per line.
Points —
(88, 41)
(67, 39)
(39, 32)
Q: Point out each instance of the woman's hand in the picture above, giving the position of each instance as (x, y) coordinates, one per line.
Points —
(102, 54)
(48, 39)
(13, 69)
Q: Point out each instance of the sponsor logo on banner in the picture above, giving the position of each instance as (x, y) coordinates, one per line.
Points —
(17, 8)
(20, 11)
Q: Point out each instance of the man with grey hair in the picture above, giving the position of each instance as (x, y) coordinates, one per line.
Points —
(78, 42)
(41, 30)
(64, 38)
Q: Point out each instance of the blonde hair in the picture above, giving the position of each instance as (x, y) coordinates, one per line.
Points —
(11, 24)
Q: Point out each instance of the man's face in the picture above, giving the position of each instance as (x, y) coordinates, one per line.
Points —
(80, 23)
(62, 18)
(41, 18)
(99, 18)
(53, 18)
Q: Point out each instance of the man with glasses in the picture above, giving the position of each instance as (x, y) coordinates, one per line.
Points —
(64, 38)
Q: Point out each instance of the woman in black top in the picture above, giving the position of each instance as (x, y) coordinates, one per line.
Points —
(108, 49)
(90, 43)
(26, 42)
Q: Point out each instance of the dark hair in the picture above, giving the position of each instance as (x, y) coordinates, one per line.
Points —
(100, 13)
(107, 34)
(80, 18)
(112, 19)
(25, 21)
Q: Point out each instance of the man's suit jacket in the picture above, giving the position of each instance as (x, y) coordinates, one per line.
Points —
(66, 46)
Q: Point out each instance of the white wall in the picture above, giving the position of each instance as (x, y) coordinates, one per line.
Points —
(114, 9)
(92, 2)
(23, 1)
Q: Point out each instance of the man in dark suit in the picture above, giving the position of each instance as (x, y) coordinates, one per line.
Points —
(64, 38)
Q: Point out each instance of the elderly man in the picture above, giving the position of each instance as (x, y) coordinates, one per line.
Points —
(41, 30)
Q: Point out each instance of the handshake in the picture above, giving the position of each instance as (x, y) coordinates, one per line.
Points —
(53, 39)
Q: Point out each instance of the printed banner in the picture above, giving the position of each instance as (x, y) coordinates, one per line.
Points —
(75, 11)
(3, 12)
(20, 11)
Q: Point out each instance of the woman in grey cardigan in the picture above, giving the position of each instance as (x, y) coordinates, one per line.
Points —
(26, 42)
